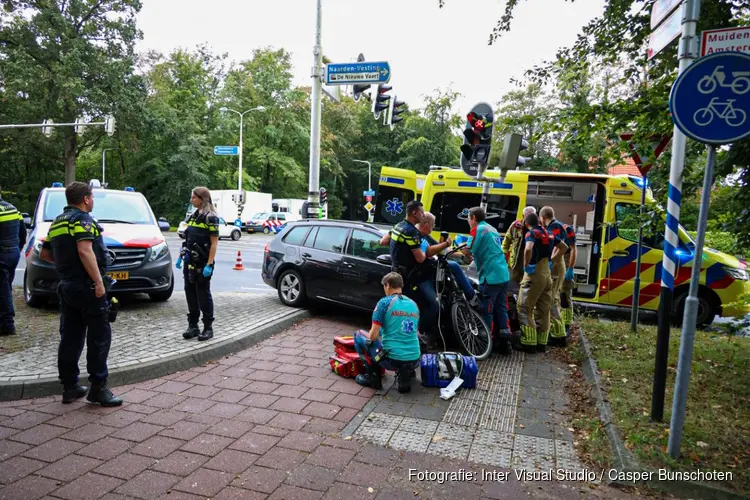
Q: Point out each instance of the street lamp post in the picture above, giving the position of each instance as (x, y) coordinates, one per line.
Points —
(369, 183)
(242, 117)
(104, 165)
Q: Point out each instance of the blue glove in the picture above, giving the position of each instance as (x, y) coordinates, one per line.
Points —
(208, 271)
(569, 274)
(550, 265)
(178, 264)
(530, 269)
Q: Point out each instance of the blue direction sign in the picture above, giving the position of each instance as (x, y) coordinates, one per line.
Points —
(359, 72)
(369, 192)
(226, 150)
(238, 222)
(710, 101)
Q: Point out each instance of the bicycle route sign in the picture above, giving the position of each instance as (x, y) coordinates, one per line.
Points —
(710, 100)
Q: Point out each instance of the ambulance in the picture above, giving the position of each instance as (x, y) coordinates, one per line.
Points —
(601, 208)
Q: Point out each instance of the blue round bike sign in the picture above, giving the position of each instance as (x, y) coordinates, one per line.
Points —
(710, 100)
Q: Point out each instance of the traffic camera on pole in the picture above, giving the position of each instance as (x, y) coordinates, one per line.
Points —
(395, 108)
(380, 100)
(512, 147)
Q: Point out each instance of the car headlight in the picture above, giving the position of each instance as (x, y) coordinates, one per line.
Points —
(158, 251)
(738, 274)
(38, 246)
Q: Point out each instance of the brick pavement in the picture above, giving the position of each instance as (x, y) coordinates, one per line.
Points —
(145, 332)
(262, 423)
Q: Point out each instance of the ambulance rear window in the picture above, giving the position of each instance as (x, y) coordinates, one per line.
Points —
(391, 204)
(451, 211)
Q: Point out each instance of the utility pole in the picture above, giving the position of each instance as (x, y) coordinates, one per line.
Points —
(104, 165)
(369, 184)
(687, 52)
(313, 193)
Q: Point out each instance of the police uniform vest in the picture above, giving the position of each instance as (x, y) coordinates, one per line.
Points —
(200, 228)
(543, 244)
(405, 238)
(68, 228)
(11, 225)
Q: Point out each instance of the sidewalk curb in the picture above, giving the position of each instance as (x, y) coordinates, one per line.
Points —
(624, 460)
(13, 391)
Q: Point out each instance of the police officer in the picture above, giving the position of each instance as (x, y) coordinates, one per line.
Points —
(557, 232)
(197, 260)
(566, 297)
(513, 245)
(12, 239)
(535, 297)
(74, 244)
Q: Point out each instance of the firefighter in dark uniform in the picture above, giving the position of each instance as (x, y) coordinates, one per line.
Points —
(566, 296)
(535, 297)
(556, 231)
(75, 245)
(12, 239)
(197, 261)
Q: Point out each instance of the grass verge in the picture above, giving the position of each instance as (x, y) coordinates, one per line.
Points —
(716, 435)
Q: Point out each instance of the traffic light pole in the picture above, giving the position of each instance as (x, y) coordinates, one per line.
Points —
(313, 193)
(686, 54)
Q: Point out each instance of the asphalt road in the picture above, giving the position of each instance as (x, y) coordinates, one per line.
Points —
(225, 279)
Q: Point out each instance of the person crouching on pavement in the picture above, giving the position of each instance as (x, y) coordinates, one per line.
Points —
(395, 321)
(197, 258)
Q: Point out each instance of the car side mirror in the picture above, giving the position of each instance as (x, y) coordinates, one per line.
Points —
(26, 220)
(164, 225)
(384, 259)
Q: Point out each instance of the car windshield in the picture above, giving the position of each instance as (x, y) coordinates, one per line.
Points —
(109, 206)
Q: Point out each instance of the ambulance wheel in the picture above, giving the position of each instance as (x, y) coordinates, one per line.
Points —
(266, 230)
(471, 330)
(291, 288)
(706, 309)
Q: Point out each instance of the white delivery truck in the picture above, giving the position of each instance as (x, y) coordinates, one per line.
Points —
(290, 206)
(227, 208)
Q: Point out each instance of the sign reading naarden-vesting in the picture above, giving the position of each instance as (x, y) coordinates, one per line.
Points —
(359, 72)
(725, 40)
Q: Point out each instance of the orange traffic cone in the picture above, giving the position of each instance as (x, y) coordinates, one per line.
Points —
(238, 265)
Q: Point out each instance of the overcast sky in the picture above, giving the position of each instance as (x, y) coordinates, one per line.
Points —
(426, 47)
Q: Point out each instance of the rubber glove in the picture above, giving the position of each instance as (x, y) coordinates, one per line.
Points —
(178, 264)
(208, 271)
(569, 274)
(530, 269)
(550, 265)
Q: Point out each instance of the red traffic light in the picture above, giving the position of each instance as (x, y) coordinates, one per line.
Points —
(382, 89)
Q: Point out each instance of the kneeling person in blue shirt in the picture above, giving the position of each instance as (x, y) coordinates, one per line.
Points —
(392, 341)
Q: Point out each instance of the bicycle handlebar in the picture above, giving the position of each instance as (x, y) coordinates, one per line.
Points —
(457, 249)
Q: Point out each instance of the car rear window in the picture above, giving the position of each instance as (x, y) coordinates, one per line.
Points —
(296, 235)
(331, 239)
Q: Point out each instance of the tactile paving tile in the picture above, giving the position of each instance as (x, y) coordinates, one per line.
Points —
(503, 394)
(570, 464)
(455, 432)
(490, 455)
(375, 435)
(531, 462)
(417, 426)
(463, 412)
(487, 437)
(409, 441)
(472, 394)
(382, 421)
(450, 448)
(564, 449)
(498, 417)
(532, 446)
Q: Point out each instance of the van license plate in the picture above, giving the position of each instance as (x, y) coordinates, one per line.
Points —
(121, 276)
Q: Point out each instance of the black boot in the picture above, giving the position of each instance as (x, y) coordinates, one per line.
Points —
(71, 392)
(371, 378)
(541, 348)
(7, 330)
(207, 333)
(403, 378)
(192, 331)
(101, 394)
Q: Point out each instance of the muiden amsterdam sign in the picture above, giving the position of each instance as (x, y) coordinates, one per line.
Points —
(725, 40)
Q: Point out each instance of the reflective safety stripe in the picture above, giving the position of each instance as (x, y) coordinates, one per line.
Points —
(541, 338)
(65, 227)
(200, 225)
(567, 316)
(10, 216)
(557, 328)
(528, 335)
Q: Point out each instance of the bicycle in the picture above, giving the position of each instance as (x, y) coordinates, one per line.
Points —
(467, 323)
(734, 117)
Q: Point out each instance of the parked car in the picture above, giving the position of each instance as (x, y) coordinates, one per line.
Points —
(329, 260)
(267, 222)
(141, 262)
(225, 230)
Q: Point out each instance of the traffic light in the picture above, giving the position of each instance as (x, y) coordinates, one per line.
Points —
(358, 90)
(109, 125)
(395, 108)
(323, 196)
(512, 147)
(477, 138)
(380, 100)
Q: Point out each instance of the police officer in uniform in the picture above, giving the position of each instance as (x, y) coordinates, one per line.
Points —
(556, 230)
(535, 297)
(513, 244)
(197, 260)
(12, 239)
(566, 296)
(74, 244)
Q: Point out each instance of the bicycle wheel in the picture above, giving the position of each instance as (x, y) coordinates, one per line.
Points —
(470, 329)
(703, 116)
(738, 118)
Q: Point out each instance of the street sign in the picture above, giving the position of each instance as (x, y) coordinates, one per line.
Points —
(359, 72)
(725, 39)
(238, 222)
(661, 9)
(710, 100)
(664, 34)
(657, 145)
(369, 192)
(369, 206)
(368, 198)
(226, 150)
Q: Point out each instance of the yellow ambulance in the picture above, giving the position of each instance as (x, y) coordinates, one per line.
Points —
(602, 209)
